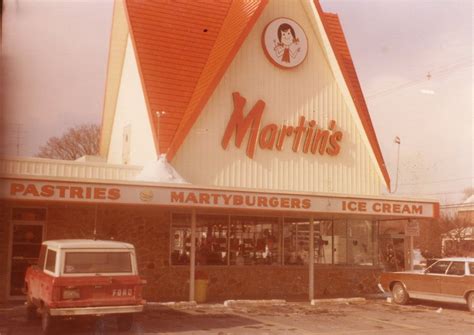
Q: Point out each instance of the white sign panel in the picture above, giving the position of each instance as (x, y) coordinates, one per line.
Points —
(285, 43)
(412, 228)
(211, 198)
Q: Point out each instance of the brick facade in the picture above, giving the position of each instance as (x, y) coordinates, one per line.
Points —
(148, 228)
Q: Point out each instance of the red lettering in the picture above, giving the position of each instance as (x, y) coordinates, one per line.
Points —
(47, 191)
(99, 193)
(238, 200)
(227, 198)
(417, 209)
(298, 133)
(386, 208)
(204, 198)
(191, 198)
(377, 207)
(177, 197)
(215, 198)
(31, 189)
(285, 203)
(273, 202)
(75, 192)
(62, 190)
(114, 194)
(267, 136)
(284, 132)
(16, 188)
(306, 203)
(295, 203)
(262, 202)
(240, 124)
(396, 208)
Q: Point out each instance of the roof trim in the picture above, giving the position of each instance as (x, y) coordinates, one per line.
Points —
(346, 65)
(210, 78)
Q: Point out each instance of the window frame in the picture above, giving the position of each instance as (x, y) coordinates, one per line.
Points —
(47, 270)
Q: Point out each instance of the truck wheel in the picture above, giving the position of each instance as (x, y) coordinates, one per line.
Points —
(47, 322)
(124, 322)
(399, 294)
(470, 302)
(31, 311)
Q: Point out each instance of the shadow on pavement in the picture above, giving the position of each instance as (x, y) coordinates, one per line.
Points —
(156, 321)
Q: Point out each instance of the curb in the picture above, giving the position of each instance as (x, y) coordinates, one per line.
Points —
(230, 303)
(182, 304)
(316, 302)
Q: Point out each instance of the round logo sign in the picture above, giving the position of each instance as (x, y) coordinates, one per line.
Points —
(284, 43)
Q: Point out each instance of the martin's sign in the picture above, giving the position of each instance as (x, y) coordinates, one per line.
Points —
(305, 137)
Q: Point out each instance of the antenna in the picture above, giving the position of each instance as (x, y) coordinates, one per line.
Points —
(398, 142)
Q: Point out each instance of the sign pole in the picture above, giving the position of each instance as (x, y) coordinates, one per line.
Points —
(192, 259)
(311, 259)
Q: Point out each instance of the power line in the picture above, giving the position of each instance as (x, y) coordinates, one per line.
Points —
(440, 74)
(438, 181)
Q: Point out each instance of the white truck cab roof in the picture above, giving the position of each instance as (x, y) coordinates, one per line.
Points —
(87, 244)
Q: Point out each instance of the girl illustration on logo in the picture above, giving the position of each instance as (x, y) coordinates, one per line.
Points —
(288, 43)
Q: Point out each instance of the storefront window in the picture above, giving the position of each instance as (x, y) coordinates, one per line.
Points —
(254, 240)
(323, 242)
(361, 242)
(296, 241)
(180, 239)
(211, 239)
(339, 245)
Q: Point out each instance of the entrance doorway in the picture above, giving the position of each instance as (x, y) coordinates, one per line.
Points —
(26, 238)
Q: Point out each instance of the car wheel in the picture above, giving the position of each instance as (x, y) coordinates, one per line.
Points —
(470, 301)
(399, 294)
(124, 322)
(47, 322)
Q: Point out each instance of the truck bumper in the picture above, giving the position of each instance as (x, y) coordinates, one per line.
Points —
(102, 310)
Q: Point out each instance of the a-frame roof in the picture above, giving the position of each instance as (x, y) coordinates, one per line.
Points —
(183, 48)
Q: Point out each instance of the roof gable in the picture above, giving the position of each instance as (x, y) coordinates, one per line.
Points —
(183, 49)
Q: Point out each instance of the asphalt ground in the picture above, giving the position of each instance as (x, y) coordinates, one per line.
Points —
(366, 317)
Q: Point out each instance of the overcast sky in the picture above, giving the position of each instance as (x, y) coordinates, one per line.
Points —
(413, 58)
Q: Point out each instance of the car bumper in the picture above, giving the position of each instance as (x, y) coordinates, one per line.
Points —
(102, 310)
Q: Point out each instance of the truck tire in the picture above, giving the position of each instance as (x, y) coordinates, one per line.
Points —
(47, 322)
(31, 311)
(124, 322)
(399, 294)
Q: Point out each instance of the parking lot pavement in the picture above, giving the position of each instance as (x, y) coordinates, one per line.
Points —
(370, 317)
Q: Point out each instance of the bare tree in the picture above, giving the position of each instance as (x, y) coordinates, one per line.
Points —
(76, 142)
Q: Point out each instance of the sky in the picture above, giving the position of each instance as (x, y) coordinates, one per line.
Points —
(413, 58)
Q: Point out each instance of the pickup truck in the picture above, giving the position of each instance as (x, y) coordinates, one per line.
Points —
(75, 278)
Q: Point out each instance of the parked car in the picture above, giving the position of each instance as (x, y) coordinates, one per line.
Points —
(84, 277)
(447, 280)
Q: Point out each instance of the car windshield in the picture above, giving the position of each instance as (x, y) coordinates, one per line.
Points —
(438, 267)
(97, 262)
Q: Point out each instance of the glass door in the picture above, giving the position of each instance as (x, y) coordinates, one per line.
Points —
(26, 238)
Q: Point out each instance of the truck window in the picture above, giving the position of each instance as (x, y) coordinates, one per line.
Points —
(98, 262)
(50, 260)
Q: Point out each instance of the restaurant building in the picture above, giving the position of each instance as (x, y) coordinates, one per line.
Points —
(236, 146)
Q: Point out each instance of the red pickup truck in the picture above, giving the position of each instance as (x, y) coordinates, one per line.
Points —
(84, 277)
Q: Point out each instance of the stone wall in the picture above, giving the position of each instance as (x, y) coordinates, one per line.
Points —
(4, 248)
